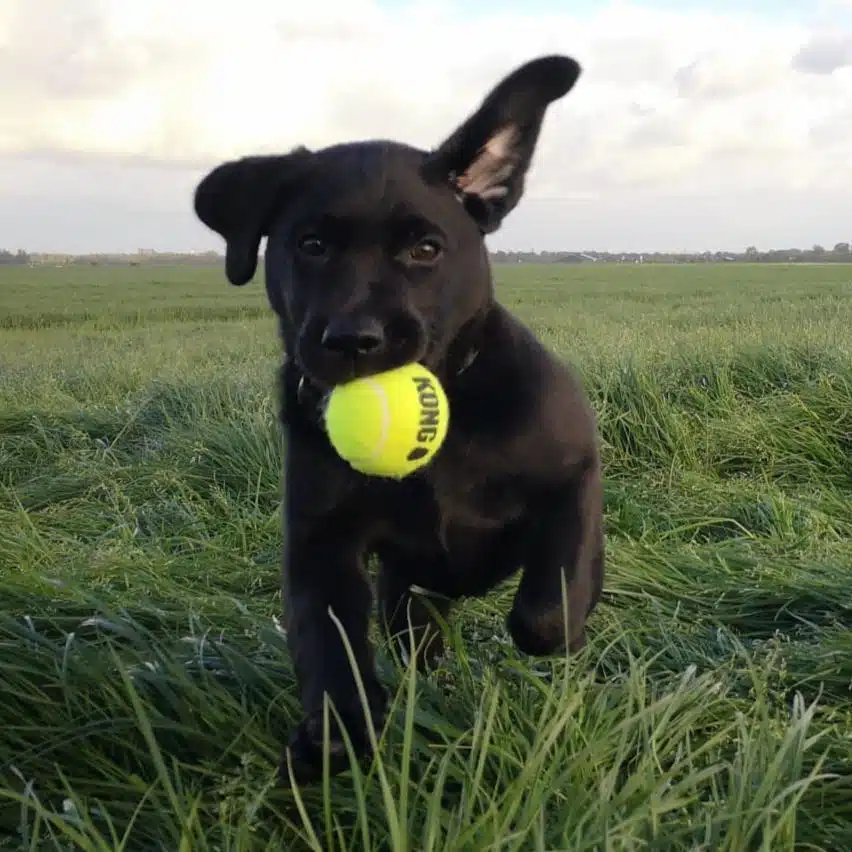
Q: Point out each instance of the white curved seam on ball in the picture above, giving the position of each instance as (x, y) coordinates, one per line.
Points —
(385, 419)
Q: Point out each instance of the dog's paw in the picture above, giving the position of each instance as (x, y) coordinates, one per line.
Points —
(304, 753)
(542, 635)
(305, 750)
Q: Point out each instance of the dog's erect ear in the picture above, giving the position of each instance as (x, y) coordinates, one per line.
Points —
(237, 200)
(487, 158)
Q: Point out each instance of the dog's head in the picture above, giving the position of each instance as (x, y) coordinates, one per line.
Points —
(375, 255)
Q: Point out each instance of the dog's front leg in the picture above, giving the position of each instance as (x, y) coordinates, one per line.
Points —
(565, 549)
(323, 573)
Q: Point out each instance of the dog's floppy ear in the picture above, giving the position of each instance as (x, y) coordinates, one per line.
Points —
(486, 159)
(237, 200)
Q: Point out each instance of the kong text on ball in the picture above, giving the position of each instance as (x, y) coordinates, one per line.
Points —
(389, 424)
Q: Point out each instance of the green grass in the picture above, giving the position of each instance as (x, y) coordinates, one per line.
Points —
(144, 689)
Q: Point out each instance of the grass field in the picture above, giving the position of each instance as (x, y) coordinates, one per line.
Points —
(144, 689)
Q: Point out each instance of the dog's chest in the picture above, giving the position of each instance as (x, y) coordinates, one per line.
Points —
(451, 507)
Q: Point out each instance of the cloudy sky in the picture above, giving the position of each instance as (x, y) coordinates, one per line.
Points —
(696, 124)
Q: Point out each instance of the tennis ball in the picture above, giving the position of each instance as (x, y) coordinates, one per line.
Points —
(389, 424)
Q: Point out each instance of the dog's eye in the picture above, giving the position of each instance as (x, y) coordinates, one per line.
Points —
(312, 245)
(426, 251)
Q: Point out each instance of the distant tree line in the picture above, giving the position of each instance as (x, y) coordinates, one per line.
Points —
(17, 258)
(840, 253)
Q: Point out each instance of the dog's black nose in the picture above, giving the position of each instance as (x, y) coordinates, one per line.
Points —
(353, 336)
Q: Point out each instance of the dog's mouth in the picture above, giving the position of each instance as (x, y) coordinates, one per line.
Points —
(328, 360)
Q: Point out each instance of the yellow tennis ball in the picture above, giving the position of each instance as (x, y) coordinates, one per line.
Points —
(389, 424)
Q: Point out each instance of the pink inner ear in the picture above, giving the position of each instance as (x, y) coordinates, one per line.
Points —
(492, 166)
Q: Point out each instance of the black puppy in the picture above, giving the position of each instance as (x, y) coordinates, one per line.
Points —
(375, 258)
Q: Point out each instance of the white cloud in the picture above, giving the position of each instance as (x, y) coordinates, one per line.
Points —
(825, 53)
(696, 100)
